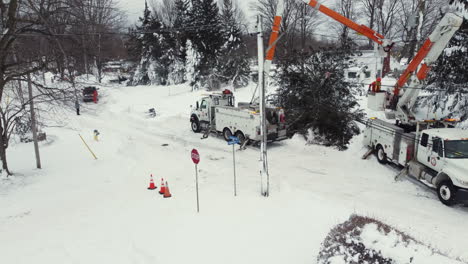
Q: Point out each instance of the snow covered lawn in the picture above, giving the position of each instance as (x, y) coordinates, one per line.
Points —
(81, 210)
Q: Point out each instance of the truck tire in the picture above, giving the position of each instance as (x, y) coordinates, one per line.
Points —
(227, 133)
(195, 125)
(446, 192)
(240, 136)
(381, 155)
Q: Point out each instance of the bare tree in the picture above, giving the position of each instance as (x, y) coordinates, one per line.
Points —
(417, 19)
(298, 21)
(347, 9)
(94, 24)
(21, 26)
(165, 10)
(387, 17)
(370, 8)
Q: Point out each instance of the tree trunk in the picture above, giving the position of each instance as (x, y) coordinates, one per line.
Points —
(3, 152)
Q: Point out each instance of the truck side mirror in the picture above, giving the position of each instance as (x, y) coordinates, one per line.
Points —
(198, 105)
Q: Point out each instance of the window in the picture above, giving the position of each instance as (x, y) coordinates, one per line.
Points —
(456, 149)
(437, 146)
(352, 75)
(367, 73)
(203, 104)
(424, 140)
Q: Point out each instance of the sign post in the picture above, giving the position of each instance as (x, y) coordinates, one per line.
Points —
(196, 160)
(233, 141)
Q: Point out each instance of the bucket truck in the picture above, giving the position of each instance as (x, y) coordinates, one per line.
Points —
(433, 152)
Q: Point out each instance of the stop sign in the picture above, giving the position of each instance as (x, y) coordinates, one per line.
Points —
(195, 156)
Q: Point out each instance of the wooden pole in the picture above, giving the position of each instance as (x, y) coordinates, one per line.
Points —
(33, 123)
(92, 153)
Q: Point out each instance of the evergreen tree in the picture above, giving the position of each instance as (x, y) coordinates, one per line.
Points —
(180, 23)
(317, 100)
(153, 43)
(233, 63)
(205, 35)
(177, 69)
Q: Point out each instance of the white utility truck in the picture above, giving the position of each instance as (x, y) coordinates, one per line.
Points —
(438, 157)
(433, 152)
(216, 112)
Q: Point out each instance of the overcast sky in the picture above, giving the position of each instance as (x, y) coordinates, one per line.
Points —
(134, 8)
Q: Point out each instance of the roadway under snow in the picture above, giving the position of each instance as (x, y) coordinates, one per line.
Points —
(81, 210)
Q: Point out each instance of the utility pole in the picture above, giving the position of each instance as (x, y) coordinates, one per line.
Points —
(261, 84)
(85, 56)
(33, 123)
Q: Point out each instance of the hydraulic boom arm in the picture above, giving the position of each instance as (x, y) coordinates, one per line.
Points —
(361, 29)
(421, 64)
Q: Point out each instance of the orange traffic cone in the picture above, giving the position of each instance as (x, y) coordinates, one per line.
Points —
(167, 194)
(151, 185)
(163, 188)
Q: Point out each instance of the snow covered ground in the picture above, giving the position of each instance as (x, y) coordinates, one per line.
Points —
(81, 210)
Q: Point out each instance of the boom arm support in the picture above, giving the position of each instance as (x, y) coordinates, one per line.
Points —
(421, 64)
(361, 29)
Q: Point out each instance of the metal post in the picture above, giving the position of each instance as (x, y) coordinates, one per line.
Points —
(234, 165)
(263, 133)
(196, 180)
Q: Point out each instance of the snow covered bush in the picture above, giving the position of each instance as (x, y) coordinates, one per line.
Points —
(367, 240)
(319, 103)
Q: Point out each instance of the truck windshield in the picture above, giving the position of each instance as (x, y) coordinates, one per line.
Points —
(456, 149)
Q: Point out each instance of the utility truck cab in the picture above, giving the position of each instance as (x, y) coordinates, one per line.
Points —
(217, 112)
(445, 152)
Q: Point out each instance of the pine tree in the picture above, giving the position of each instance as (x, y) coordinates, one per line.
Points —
(181, 22)
(205, 35)
(233, 63)
(317, 100)
(178, 50)
(153, 43)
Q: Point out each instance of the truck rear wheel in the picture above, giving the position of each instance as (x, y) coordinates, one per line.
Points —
(446, 192)
(227, 134)
(240, 136)
(381, 155)
(195, 125)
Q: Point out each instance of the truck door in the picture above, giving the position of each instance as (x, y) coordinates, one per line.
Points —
(430, 152)
(204, 111)
(436, 156)
(423, 154)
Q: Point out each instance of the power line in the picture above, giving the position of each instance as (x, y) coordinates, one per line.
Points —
(162, 30)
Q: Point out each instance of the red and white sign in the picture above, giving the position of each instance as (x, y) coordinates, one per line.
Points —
(195, 156)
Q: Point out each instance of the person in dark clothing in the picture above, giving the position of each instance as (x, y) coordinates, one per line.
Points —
(77, 106)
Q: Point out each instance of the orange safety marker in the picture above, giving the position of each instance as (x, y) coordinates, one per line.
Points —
(167, 193)
(163, 188)
(152, 186)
